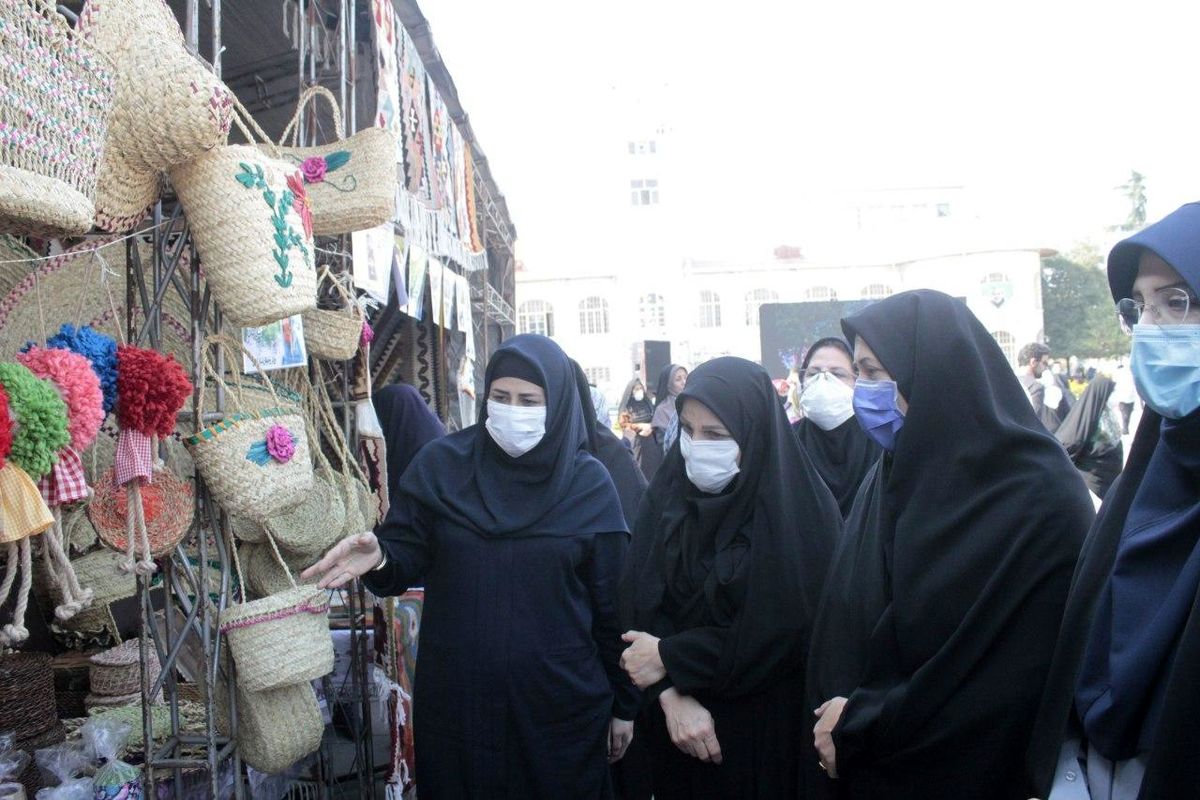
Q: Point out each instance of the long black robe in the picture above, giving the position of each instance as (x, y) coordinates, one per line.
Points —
(730, 583)
(948, 585)
(843, 456)
(518, 675)
(1097, 459)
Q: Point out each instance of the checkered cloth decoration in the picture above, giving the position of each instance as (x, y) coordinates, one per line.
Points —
(66, 482)
(134, 457)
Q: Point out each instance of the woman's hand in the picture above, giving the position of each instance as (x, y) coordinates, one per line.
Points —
(641, 659)
(644, 429)
(620, 735)
(690, 726)
(828, 716)
(350, 558)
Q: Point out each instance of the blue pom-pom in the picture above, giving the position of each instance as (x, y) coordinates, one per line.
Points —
(97, 348)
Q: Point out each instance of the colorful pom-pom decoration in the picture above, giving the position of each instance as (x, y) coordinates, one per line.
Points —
(6, 428)
(151, 389)
(41, 417)
(99, 349)
(77, 384)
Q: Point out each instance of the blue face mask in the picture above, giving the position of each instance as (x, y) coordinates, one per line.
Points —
(877, 412)
(1166, 368)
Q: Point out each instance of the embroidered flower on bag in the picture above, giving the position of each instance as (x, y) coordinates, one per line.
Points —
(279, 444)
(301, 204)
(368, 333)
(313, 169)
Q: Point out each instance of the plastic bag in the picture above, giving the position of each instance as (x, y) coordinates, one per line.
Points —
(114, 779)
(64, 762)
(12, 764)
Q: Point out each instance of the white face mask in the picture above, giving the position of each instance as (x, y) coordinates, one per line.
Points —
(639, 395)
(710, 465)
(515, 429)
(827, 401)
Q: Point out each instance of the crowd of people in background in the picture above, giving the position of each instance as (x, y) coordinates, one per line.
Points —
(899, 590)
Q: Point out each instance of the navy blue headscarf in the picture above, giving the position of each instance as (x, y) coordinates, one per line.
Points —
(557, 488)
(1156, 572)
(408, 425)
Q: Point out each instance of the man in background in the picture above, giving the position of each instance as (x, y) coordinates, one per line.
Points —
(1034, 360)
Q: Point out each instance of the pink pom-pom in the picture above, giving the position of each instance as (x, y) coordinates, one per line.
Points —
(77, 384)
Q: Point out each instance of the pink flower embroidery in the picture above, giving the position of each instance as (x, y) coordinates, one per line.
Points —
(368, 333)
(280, 444)
(313, 169)
(301, 203)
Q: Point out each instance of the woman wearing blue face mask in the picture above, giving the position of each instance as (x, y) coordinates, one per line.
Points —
(935, 628)
(519, 537)
(1119, 715)
(730, 550)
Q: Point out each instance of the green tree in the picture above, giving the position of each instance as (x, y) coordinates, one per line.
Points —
(1135, 193)
(1079, 316)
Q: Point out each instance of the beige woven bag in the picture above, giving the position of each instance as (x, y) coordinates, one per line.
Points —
(255, 463)
(250, 215)
(351, 181)
(356, 492)
(334, 335)
(55, 95)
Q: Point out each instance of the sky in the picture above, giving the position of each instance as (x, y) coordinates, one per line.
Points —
(1039, 108)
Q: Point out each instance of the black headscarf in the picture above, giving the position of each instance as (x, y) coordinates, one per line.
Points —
(1129, 653)
(408, 425)
(615, 456)
(843, 455)
(950, 579)
(639, 410)
(662, 392)
(748, 562)
(555, 488)
(1099, 461)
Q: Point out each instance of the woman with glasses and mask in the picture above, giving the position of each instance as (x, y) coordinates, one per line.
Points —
(1120, 711)
(518, 535)
(935, 630)
(729, 553)
(835, 442)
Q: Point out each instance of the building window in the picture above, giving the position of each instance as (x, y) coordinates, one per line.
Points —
(643, 192)
(536, 316)
(653, 309)
(593, 315)
(755, 299)
(876, 291)
(644, 147)
(995, 277)
(820, 293)
(710, 309)
(1008, 344)
(598, 376)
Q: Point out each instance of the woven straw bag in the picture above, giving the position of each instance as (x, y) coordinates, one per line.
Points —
(356, 494)
(168, 503)
(264, 574)
(278, 727)
(55, 96)
(282, 639)
(250, 215)
(335, 335)
(168, 107)
(245, 460)
(117, 672)
(26, 694)
(352, 181)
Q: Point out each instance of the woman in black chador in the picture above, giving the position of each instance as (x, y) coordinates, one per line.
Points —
(634, 415)
(517, 532)
(1092, 436)
(936, 627)
(730, 550)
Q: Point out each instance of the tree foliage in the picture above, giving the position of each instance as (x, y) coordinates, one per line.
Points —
(1134, 190)
(1079, 316)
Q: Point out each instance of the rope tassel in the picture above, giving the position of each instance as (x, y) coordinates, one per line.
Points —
(15, 632)
(74, 598)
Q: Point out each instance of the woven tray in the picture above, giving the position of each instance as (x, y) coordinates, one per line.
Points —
(26, 694)
(118, 672)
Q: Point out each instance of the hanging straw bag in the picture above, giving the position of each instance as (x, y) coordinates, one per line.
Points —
(55, 96)
(255, 463)
(282, 639)
(335, 335)
(356, 492)
(250, 215)
(352, 181)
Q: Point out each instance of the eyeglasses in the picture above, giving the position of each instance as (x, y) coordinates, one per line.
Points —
(837, 372)
(1170, 307)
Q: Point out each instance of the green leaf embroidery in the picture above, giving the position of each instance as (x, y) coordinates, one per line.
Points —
(336, 160)
(284, 280)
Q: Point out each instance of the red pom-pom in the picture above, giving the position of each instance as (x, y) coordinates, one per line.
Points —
(6, 427)
(151, 388)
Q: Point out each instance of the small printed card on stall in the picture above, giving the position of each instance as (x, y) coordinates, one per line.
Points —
(278, 345)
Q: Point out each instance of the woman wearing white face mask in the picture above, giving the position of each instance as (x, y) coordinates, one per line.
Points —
(730, 552)
(519, 537)
(835, 442)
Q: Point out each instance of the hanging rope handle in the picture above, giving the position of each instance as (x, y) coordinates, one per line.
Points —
(237, 562)
(307, 97)
(343, 284)
(232, 349)
(242, 118)
(278, 556)
(349, 462)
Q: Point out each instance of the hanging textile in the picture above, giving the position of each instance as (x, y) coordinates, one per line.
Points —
(415, 117)
(443, 180)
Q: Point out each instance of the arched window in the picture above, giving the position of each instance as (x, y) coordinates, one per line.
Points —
(1008, 344)
(593, 315)
(710, 309)
(536, 316)
(876, 291)
(756, 298)
(819, 293)
(653, 308)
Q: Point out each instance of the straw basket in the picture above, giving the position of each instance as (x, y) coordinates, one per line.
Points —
(117, 671)
(168, 504)
(312, 527)
(352, 181)
(277, 728)
(249, 468)
(27, 694)
(55, 96)
(99, 571)
(264, 575)
(334, 335)
(279, 640)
